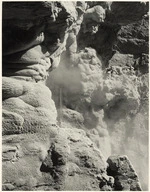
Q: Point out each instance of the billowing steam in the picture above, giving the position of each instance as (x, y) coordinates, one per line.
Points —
(107, 104)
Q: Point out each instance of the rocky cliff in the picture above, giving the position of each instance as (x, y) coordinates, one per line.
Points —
(75, 95)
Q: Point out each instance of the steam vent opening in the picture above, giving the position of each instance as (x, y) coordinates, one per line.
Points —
(75, 96)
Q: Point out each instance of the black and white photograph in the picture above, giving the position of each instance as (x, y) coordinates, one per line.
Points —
(75, 95)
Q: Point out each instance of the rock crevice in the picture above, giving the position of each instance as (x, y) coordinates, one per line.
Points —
(62, 127)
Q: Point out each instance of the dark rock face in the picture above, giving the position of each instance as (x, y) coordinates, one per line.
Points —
(133, 38)
(123, 30)
(123, 13)
(60, 138)
(32, 39)
(125, 177)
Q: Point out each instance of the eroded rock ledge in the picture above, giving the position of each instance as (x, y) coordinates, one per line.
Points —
(99, 85)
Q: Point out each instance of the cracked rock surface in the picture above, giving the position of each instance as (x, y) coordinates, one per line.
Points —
(75, 96)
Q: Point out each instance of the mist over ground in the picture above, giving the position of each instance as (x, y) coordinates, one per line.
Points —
(75, 96)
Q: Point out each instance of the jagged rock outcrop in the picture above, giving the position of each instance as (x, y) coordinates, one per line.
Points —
(100, 89)
(55, 159)
(41, 156)
(125, 178)
(112, 93)
(31, 48)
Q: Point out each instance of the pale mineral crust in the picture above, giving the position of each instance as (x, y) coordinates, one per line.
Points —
(75, 96)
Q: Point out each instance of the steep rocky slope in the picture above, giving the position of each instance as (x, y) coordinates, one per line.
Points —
(108, 82)
(61, 136)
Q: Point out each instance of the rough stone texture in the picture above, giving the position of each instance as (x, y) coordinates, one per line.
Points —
(125, 177)
(123, 30)
(27, 107)
(112, 94)
(100, 91)
(42, 156)
(55, 160)
(31, 48)
(71, 118)
(123, 13)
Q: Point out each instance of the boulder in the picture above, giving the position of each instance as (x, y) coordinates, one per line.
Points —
(123, 173)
